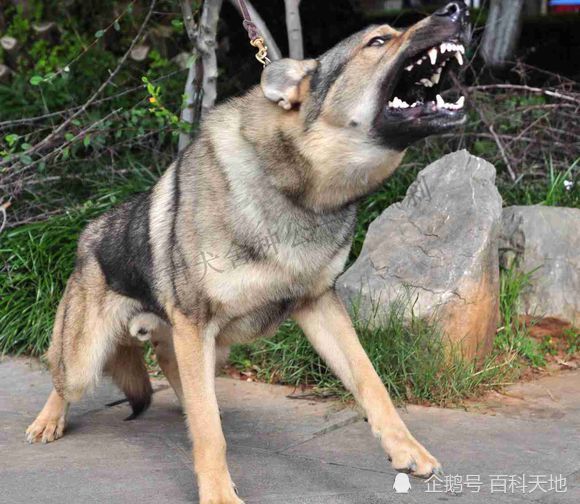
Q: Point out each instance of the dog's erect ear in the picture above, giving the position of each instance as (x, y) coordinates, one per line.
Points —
(284, 81)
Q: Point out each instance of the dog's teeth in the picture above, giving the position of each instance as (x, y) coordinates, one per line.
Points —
(461, 102)
(419, 61)
(426, 82)
(433, 55)
(461, 49)
(409, 68)
(396, 103)
(443, 47)
(440, 101)
(459, 58)
(436, 78)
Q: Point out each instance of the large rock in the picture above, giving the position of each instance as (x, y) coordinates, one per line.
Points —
(545, 241)
(436, 251)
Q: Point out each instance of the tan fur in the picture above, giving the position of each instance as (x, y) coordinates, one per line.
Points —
(195, 351)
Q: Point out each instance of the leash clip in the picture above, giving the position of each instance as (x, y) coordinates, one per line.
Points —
(262, 55)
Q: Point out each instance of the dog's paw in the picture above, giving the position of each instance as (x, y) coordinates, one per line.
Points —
(220, 495)
(45, 429)
(408, 455)
(222, 499)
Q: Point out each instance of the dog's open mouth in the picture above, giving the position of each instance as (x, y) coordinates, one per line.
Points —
(426, 85)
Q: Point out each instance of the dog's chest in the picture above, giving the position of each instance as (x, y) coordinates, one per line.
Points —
(262, 297)
(294, 260)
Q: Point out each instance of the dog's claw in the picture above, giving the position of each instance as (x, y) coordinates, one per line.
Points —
(438, 471)
(410, 469)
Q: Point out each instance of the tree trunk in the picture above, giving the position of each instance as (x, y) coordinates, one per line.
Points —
(190, 94)
(274, 52)
(207, 38)
(203, 71)
(502, 31)
(294, 28)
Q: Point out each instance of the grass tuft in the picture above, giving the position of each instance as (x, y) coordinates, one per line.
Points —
(513, 336)
(409, 356)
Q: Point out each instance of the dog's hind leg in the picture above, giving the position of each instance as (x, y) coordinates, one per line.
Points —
(88, 324)
(50, 423)
(127, 369)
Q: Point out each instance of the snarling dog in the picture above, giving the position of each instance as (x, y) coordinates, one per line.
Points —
(251, 225)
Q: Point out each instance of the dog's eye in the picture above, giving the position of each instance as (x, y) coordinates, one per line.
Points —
(378, 41)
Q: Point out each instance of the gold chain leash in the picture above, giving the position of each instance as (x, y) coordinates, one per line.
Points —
(256, 40)
(262, 55)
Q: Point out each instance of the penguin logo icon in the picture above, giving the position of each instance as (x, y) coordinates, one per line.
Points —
(402, 483)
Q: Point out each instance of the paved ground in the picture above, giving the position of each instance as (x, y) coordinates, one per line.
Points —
(287, 451)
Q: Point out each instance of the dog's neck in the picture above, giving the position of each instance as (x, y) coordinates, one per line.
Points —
(322, 167)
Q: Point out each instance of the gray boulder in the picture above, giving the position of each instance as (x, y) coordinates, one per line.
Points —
(436, 252)
(545, 241)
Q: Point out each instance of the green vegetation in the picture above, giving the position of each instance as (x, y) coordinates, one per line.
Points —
(513, 335)
(409, 356)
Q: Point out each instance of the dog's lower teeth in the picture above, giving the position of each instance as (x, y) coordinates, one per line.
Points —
(442, 104)
(459, 58)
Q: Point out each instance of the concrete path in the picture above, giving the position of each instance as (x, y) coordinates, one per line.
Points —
(289, 451)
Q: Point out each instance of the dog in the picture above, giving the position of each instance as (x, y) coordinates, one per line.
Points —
(251, 225)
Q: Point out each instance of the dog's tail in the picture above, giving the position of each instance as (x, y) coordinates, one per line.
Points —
(128, 371)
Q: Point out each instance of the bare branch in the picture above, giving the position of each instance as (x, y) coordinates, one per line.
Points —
(207, 47)
(189, 111)
(294, 29)
(547, 92)
(203, 71)
(189, 20)
(501, 31)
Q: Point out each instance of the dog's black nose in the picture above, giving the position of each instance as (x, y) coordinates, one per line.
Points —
(453, 10)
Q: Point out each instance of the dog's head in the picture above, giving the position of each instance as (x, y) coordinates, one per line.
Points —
(391, 87)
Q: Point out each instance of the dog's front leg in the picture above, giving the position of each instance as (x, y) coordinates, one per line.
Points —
(195, 352)
(328, 327)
